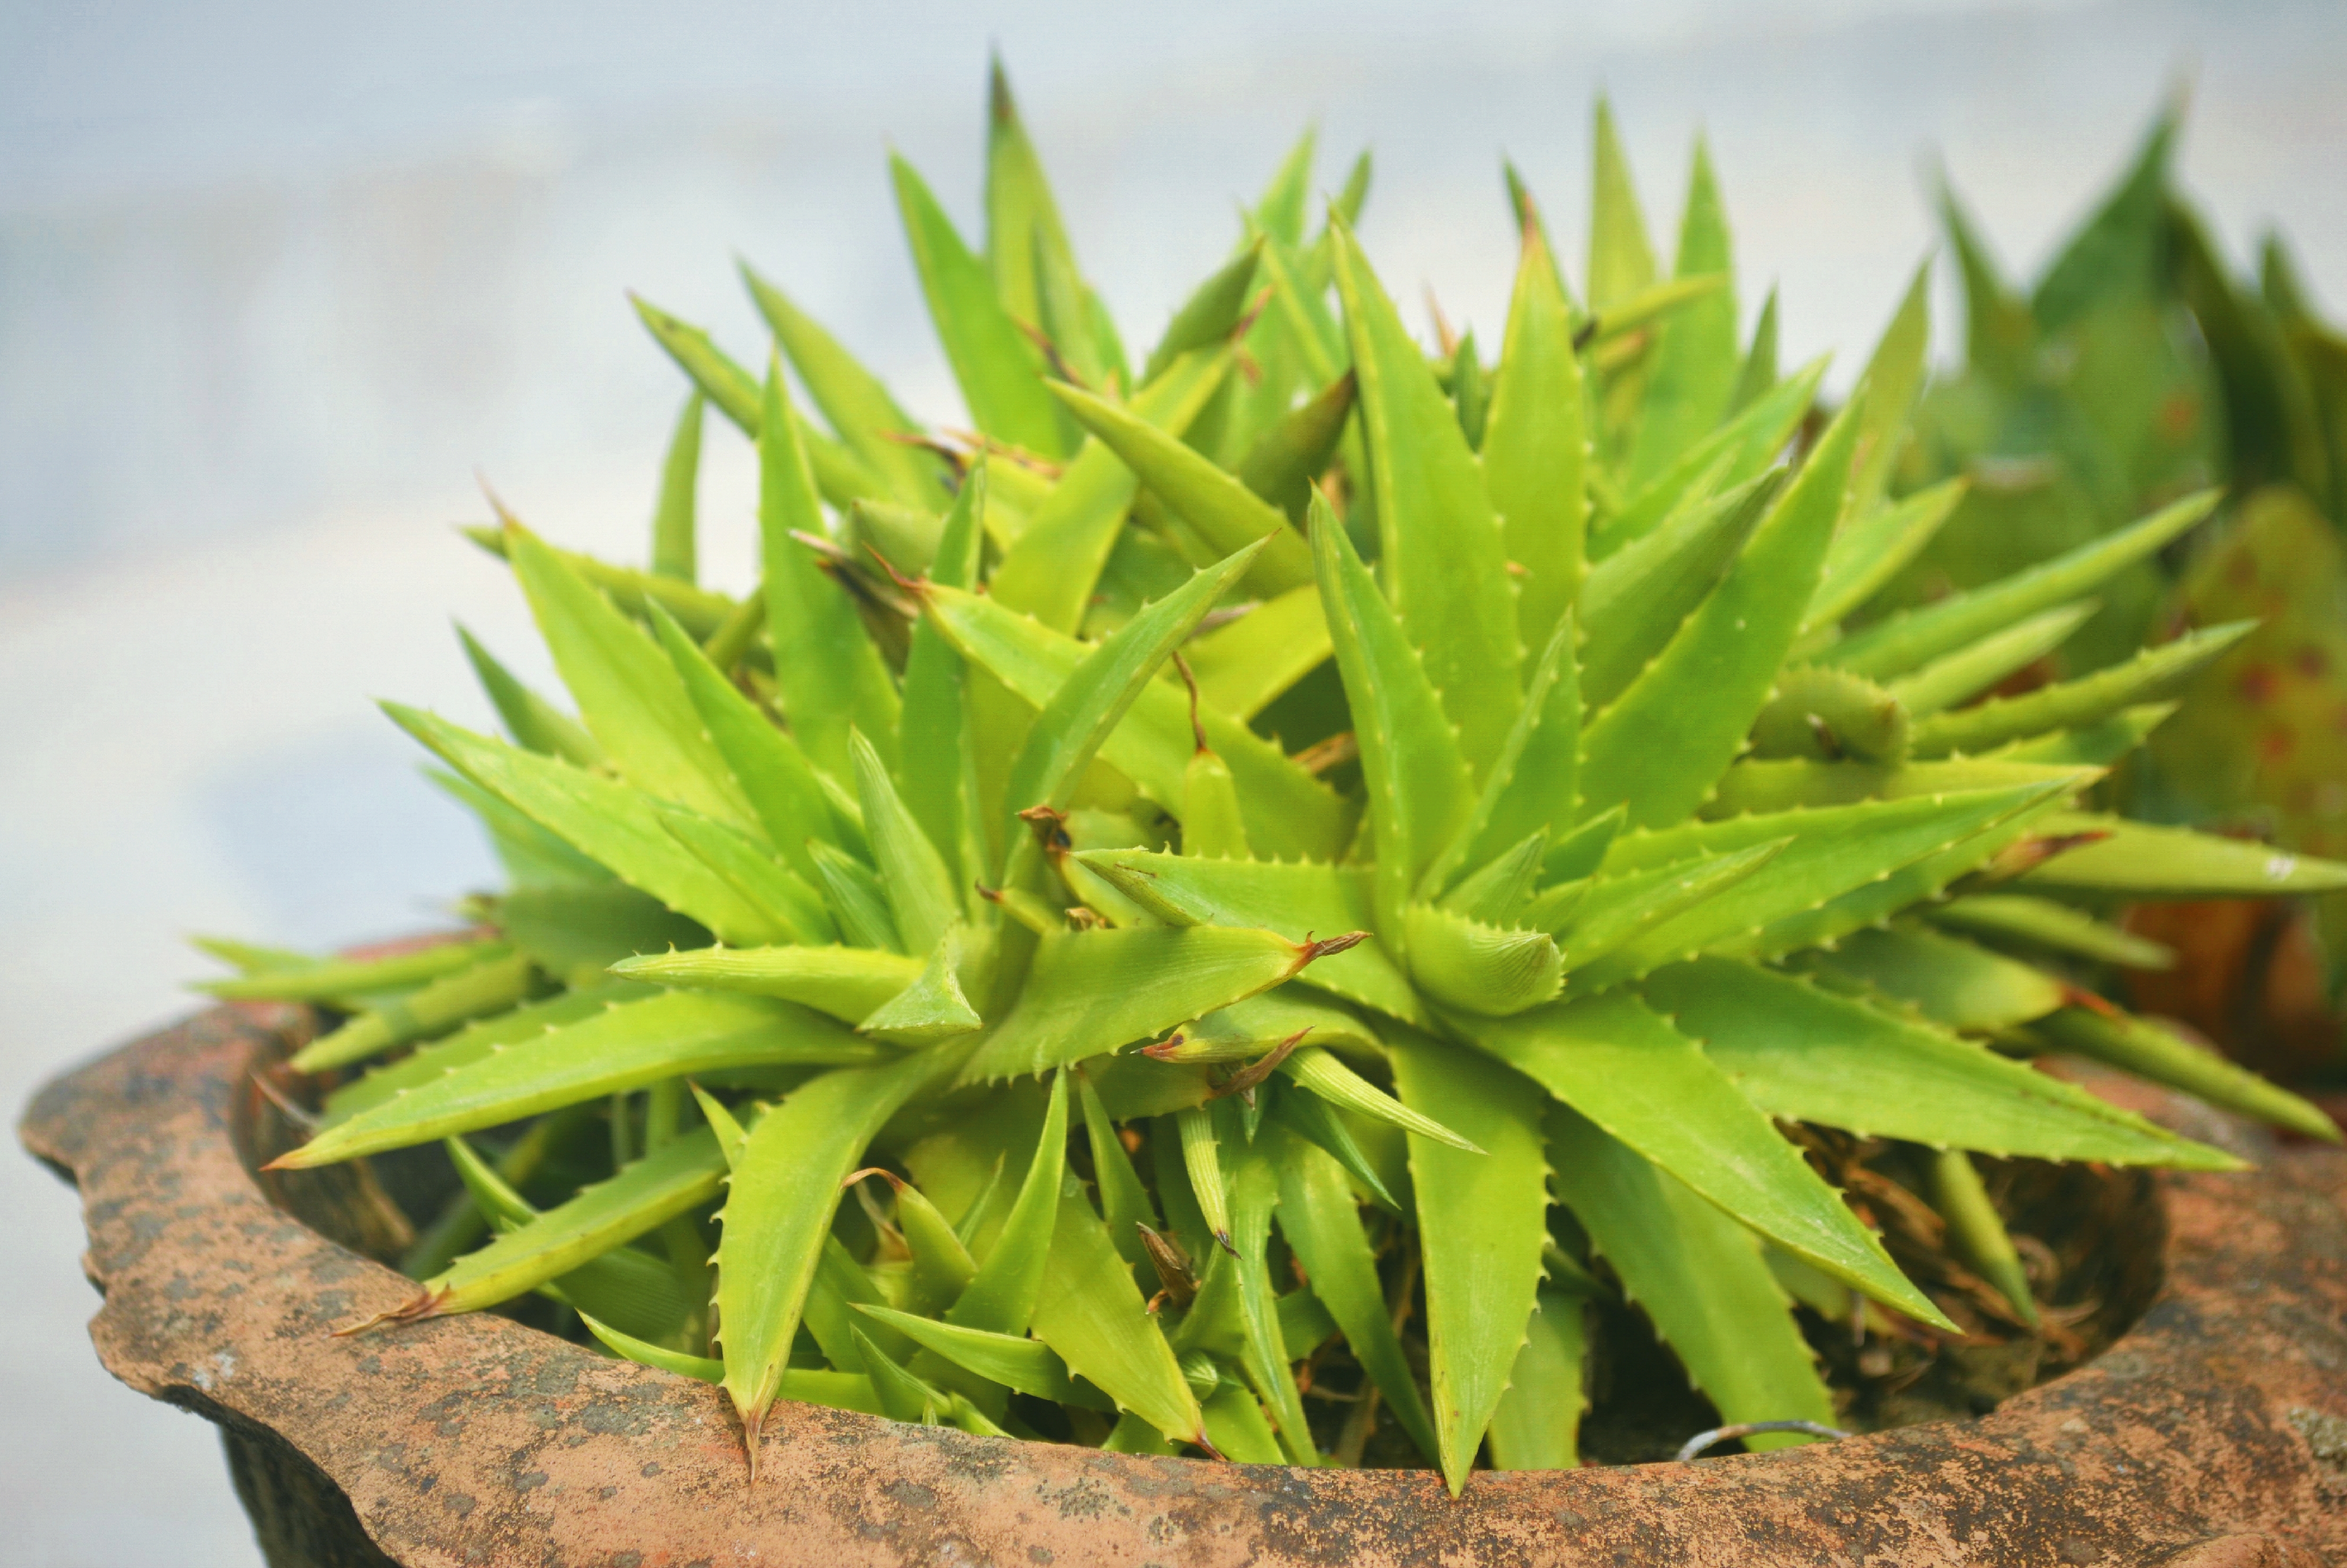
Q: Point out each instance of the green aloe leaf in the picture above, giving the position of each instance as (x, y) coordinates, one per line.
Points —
(680, 1178)
(934, 1007)
(854, 400)
(1297, 298)
(1207, 317)
(1872, 549)
(938, 780)
(903, 1397)
(841, 1285)
(1892, 378)
(849, 983)
(1735, 455)
(628, 1348)
(1777, 784)
(1236, 1427)
(773, 771)
(609, 821)
(1261, 1022)
(1314, 1119)
(1907, 641)
(788, 905)
(1639, 596)
(535, 723)
(675, 552)
(1287, 809)
(1001, 1298)
(1050, 571)
(473, 1043)
(628, 1286)
(778, 1209)
(1322, 1227)
(2096, 746)
(1028, 1366)
(1621, 258)
(725, 384)
(1968, 672)
(1243, 666)
(1536, 443)
(1697, 1274)
(1091, 1313)
(1696, 358)
(622, 1048)
(1090, 992)
(1467, 964)
(2072, 705)
(857, 900)
(1481, 1220)
(1497, 892)
(431, 1008)
(1331, 1080)
(1228, 514)
(827, 672)
(801, 1385)
(2140, 1047)
(2043, 923)
(1421, 790)
(1441, 555)
(841, 477)
(1836, 853)
(2113, 855)
(1951, 981)
(1533, 787)
(1023, 219)
(1803, 1053)
(999, 371)
(1623, 1065)
(1297, 447)
(1255, 1190)
(1209, 1189)
(1298, 900)
(921, 892)
(535, 860)
(628, 693)
(1759, 375)
(1072, 726)
(1537, 1425)
(1665, 741)
(1124, 1202)
(1617, 911)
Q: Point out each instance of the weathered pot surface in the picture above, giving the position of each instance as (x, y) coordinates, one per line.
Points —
(2214, 1435)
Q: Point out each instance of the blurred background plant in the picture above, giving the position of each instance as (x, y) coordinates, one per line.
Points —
(2144, 365)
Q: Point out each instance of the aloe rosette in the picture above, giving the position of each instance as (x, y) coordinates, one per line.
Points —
(1250, 850)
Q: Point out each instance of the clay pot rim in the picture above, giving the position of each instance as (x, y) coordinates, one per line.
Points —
(475, 1433)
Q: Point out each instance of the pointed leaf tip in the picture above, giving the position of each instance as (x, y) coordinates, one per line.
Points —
(1321, 950)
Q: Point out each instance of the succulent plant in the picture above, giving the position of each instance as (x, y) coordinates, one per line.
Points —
(1421, 819)
(2138, 367)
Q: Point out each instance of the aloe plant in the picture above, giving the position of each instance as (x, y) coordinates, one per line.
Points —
(2137, 368)
(1421, 818)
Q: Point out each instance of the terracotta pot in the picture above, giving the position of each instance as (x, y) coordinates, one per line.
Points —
(2214, 1435)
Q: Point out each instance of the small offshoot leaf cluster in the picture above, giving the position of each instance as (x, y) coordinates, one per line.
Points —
(1278, 864)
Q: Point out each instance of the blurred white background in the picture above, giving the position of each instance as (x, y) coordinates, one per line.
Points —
(276, 279)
